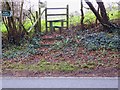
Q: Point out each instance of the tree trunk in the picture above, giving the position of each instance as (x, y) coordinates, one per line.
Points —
(103, 11)
(103, 18)
(11, 26)
(82, 16)
(96, 22)
(15, 32)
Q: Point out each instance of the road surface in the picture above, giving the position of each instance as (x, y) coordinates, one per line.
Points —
(61, 82)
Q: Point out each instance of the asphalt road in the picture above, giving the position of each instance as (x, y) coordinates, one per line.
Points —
(61, 82)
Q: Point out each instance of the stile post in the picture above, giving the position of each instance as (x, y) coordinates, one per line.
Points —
(61, 26)
(67, 16)
(46, 19)
(39, 22)
(37, 25)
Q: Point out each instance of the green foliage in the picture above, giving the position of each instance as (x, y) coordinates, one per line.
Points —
(89, 65)
(45, 66)
(43, 26)
(26, 48)
(13, 65)
(27, 24)
(13, 51)
(73, 20)
(115, 14)
(58, 45)
(64, 66)
(34, 43)
(101, 40)
(66, 42)
(3, 28)
(89, 18)
(42, 65)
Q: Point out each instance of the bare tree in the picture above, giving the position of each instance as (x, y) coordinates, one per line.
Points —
(15, 28)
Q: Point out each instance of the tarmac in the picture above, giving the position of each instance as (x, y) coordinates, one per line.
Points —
(60, 82)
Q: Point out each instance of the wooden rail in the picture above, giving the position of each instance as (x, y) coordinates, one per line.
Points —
(36, 21)
(52, 21)
(56, 14)
(56, 8)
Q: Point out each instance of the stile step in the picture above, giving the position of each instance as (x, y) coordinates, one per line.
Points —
(46, 45)
(51, 38)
